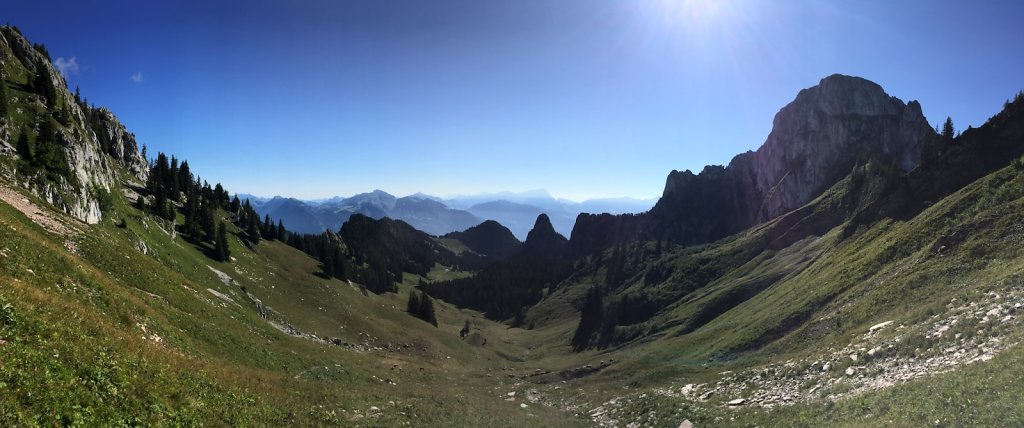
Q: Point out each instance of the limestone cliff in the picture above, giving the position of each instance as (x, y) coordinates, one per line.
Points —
(95, 161)
(815, 141)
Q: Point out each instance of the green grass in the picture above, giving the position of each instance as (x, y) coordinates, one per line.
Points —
(218, 362)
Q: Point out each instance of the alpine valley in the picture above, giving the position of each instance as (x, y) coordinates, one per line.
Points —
(860, 268)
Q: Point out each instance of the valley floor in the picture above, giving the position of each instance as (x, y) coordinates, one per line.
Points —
(105, 325)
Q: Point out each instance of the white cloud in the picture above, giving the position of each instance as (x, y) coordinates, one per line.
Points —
(137, 77)
(67, 67)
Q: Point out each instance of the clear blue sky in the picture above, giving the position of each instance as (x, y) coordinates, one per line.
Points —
(585, 98)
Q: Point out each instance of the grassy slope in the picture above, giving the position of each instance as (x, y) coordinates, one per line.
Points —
(823, 293)
(75, 350)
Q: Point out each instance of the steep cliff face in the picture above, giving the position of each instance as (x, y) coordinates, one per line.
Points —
(93, 160)
(816, 140)
(121, 145)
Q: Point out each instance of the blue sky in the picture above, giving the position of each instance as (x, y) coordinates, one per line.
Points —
(584, 98)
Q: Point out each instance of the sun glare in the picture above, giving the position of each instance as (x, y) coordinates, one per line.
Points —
(693, 11)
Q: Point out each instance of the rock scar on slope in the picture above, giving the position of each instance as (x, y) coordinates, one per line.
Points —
(40, 216)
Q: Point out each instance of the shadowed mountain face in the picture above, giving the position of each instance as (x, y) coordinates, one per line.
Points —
(543, 241)
(489, 238)
(816, 140)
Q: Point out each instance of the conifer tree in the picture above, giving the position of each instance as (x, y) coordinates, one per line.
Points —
(208, 222)
(947, 129)
(184, 176)
(24, 147)
(220, 196)
(339, 264)
(173, 188)
(282, 234)
(413, 307)
(328, 267)
(253, 228)
(192, 227)
(3, 99)
(44, 86)
(268, 230)
(591, 318)
(221, 250)
(160, 203)
(235, 205)
(426, 310)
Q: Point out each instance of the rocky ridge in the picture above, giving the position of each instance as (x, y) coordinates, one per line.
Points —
(815, 141)
(87, 153)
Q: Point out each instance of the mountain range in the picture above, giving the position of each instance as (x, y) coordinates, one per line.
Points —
(859, 268)
(439, 216)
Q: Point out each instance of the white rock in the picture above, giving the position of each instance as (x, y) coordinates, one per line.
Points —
(523, 405)
(1008, 318)
(879, 326)
(737, 402)
(686, 390)
(826, 367)
(686, 424)
(850, 371)
(853, 356)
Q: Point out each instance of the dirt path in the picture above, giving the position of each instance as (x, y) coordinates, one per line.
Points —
(40, 216)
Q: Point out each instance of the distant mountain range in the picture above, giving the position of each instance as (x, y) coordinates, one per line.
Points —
(439, 216)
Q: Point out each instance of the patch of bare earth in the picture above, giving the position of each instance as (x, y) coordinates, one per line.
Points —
(45, 219)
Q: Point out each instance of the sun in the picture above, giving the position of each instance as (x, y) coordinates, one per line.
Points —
(694, 11)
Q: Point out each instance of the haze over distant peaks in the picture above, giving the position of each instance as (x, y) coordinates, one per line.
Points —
(436, 215)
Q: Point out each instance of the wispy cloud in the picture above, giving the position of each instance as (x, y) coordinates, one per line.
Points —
(67, 66)
(137, 77)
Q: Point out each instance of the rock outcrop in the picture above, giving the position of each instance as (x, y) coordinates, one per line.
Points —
(94, 165)
(816, 140)
(543, 240)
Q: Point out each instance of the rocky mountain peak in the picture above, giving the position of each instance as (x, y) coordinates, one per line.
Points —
(815, 141)
(543, 240)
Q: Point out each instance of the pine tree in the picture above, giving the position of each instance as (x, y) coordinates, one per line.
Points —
(3, 99)
(220, 196)
(413, 307)
(282, 234)
(184, 176)
(328, 263)
(160, 203)
(339, 264)
(24, 147)
(173, 188)
(253, 228)
(44, 86)
(192, 227)
(426, 310)
(235, 205)
(208, 222)
(947, 129)
(591, 318)
(221, 250)
(268, 230)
